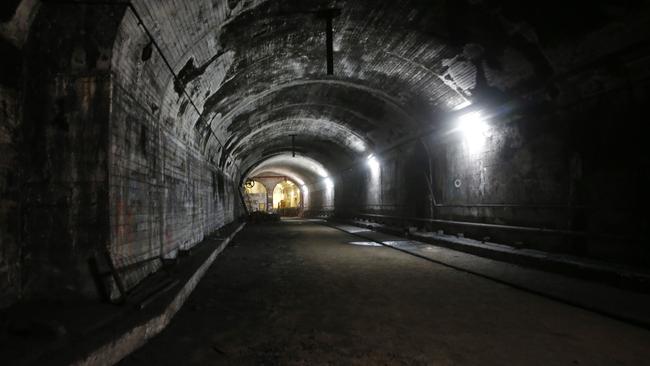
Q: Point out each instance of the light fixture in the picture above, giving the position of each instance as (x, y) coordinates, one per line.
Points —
(474, 128)
(373, 163)
(329, 183)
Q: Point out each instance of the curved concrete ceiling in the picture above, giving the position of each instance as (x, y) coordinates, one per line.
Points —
(256, 70)
(301, 169)
(302, 129)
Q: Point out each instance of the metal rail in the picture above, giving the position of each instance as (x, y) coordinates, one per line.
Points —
(537, 230)
(528, 229)
(563, 300)
(512, 205)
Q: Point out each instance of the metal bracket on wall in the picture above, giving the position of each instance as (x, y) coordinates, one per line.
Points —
(293, 145)
(329, 15)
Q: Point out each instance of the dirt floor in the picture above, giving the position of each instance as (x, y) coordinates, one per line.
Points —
(298, 293)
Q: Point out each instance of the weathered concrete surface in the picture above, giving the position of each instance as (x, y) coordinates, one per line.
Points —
(63, 150)
(9, 183)
(15, 21)
(297, 293)
(116, 152)
(165, 194)
(550, 168)
(87, 167)
(123, 344)
(620, 293)
(398, 65)
(83, 331)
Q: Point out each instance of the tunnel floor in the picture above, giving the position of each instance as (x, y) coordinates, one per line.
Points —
(297, 293)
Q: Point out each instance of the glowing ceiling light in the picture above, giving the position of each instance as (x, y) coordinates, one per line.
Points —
(329, 183)
(373, 163)
(474, 128)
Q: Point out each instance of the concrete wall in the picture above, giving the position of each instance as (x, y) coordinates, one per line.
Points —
(11, 77)
(165, 195)
(87, 164)
(102, 150)
(321, 198)
(9, 199)
(579, 167)
(63, 150)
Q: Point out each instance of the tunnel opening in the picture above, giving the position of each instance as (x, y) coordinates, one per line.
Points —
(287, 201)
(256, 196)
(308, 186)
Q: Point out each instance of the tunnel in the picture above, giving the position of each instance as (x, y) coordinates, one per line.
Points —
(324, 182)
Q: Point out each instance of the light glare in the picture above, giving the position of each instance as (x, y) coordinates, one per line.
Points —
(373, 163)
(329, 184)
(462, 105)
(474, 128)
(321, 171)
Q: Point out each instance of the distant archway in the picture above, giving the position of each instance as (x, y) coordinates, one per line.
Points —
(256, 196)
(287, 198)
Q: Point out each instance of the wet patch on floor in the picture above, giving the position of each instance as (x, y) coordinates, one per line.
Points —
(365, 243)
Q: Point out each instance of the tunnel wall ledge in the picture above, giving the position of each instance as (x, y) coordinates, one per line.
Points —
(621, 276)
(610, 300)
(109, 346)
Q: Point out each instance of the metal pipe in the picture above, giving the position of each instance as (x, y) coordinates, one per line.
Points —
(630, 320)
(513, 205)
(529, 229)
(483, 225)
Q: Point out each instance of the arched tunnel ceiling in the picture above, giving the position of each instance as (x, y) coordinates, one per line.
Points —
(305, 129)
(250, 65)
(301, 169)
